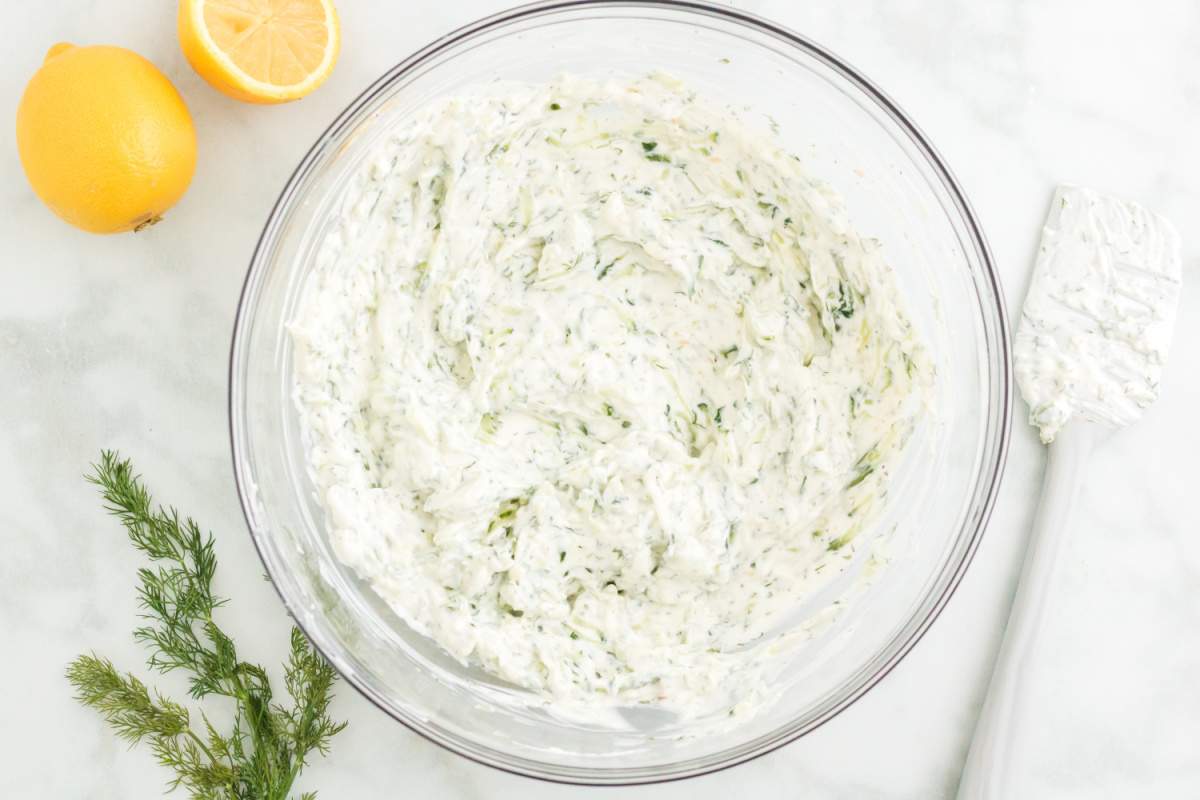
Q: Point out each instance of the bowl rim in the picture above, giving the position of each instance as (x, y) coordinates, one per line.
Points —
(1000, 438)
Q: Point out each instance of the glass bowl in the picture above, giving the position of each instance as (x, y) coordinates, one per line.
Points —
(897, 190)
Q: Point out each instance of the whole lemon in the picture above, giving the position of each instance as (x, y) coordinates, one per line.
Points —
(106, 141)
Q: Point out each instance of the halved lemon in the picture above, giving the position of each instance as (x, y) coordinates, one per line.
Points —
(260, 51)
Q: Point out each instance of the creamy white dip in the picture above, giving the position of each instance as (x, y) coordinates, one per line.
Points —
(1097, 321)
(597, 385)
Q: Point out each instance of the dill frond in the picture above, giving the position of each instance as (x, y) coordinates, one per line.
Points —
(270, 743)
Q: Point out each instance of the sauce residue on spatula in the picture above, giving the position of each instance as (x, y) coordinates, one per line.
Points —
(1098, 319)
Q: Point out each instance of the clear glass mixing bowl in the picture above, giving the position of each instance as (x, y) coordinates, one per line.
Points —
(897, 190)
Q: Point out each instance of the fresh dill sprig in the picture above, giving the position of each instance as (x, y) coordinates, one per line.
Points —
(261, 757)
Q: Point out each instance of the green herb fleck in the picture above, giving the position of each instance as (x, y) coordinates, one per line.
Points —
(555, 107)
(508, 509)
(839, 543)
(649, 146)
(863, 472)
(845, 306)
(659, 157)
(729, 351)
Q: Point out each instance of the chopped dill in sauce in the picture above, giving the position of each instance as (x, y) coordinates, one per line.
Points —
(525, 339)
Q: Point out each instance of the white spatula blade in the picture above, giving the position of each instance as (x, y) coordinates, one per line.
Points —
(1100, 312)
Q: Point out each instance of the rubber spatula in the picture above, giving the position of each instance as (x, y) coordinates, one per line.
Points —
(1090, 348)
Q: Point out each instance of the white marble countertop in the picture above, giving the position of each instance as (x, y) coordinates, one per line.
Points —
(123, 342)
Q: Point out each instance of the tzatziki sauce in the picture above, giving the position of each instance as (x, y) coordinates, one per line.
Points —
(1098, 319)
(597, 385)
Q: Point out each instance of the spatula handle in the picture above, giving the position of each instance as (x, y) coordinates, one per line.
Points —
(988, 772)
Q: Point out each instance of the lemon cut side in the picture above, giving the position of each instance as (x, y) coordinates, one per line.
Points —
(261, 51)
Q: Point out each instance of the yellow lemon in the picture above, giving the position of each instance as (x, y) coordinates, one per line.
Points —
(106, 141)
(260, 51)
